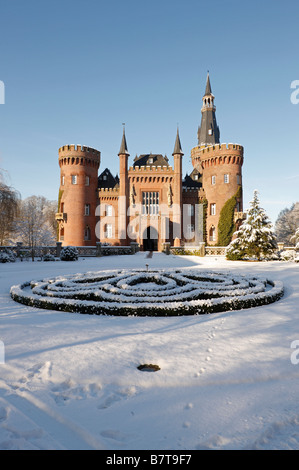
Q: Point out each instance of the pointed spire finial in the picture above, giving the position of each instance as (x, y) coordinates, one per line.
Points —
(123, 148)
(208, 85)
(177, 147)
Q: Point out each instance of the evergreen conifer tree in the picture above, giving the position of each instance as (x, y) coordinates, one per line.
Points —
(255, 237)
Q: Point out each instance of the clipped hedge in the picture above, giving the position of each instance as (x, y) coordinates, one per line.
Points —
(143, 293)
(69, 253)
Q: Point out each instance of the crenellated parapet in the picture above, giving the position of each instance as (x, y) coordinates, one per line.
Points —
(151, 168)
(108, 193)
(204, 156)
(79, 155)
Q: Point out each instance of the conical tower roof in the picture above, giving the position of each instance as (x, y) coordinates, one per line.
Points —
(208, 132)
(177, 147)
(208, 86)
(123, 147)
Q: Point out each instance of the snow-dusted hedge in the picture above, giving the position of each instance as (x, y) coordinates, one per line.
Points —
(7, 256)
(48, 257)
(69, 253)
(142, 293)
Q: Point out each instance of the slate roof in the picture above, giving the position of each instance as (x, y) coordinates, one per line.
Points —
(194, 180)
(107, 180)
(208, 86)
(155, 159)
(177, 147)
(123, 146)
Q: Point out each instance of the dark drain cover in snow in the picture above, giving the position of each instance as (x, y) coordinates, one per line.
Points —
(148, 367)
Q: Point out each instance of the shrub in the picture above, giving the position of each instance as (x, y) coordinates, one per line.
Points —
(7, 256)
(69, 253)
(49, 257)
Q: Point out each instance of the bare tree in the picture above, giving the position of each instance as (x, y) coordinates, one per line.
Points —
(287, 223)
(9, 204)
(33, 227)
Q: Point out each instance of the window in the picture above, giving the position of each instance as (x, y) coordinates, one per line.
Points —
(195, 177)
(213, 179)
(210, 131)
(74, 179)
(226, 178)
(213, 209)
(62, 181)
(150, 160)
(109, 231)
(104, 177)
(86, 180)
(87, 209)
(190, 209)
(109, 211)
(87, 233)
(212, 234)
(150, 203)
(190, 231)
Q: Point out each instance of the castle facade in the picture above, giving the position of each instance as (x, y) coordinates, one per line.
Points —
(150, 202)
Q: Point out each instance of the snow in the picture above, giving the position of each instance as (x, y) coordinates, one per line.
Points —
(226, 380)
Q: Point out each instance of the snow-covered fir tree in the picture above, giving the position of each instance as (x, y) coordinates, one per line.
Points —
(255, 237)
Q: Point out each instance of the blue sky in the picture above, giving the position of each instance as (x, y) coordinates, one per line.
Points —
(74, 71)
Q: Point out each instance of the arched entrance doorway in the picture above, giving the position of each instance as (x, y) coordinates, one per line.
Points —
(150, 239)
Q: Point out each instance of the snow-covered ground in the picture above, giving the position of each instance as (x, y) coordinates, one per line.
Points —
(226, 381)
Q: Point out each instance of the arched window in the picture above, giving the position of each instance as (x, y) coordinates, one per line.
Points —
(87, 233)
(212, 234)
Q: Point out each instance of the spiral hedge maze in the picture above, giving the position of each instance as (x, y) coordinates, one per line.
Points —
(149, 293)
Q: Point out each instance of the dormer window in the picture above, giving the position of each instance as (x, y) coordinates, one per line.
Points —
(210, 131)
(104, 177)
(150, 160)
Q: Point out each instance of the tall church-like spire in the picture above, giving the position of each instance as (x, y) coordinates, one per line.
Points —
(208, 132)
(208, 86)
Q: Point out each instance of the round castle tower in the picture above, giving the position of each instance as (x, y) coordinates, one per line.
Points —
(77, 195)
(220, 166)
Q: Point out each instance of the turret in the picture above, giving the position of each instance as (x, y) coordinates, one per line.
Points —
(123, 190)
(177, 190)
(220, 166)
(77, 195)
(208, 132)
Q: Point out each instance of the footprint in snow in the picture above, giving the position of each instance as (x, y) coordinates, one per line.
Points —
(68, 390)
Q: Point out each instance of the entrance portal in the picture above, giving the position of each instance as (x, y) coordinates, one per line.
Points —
(150, 239)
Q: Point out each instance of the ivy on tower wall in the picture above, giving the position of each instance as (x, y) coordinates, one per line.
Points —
(226, 225)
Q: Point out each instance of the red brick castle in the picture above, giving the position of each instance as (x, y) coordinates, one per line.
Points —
(150, 202)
